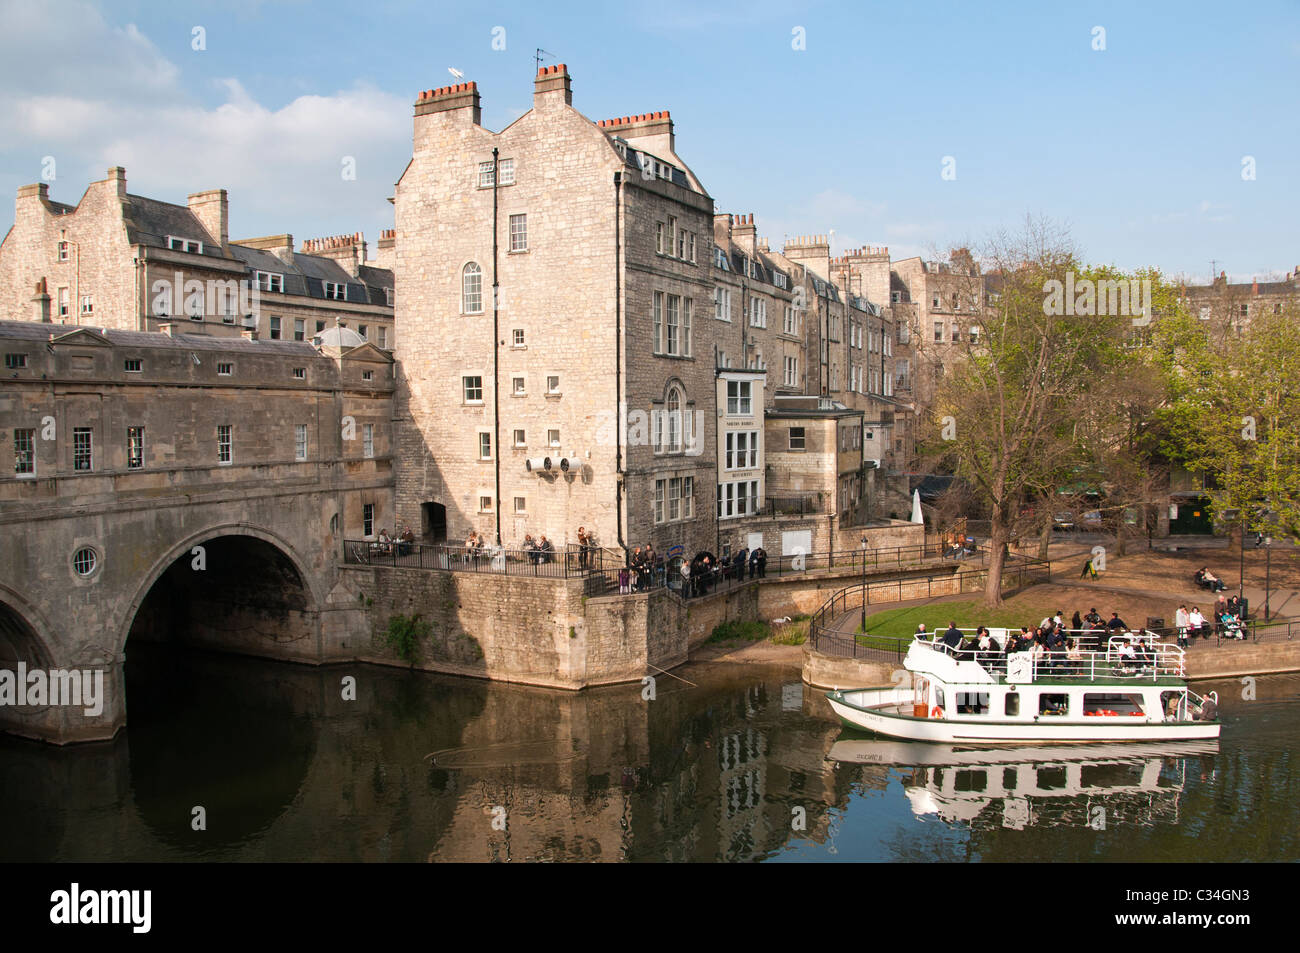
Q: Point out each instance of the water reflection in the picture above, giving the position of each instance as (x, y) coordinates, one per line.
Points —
(732, 766)
(1093, 786)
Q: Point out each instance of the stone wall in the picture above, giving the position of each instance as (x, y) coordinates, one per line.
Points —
(536, 631)
(828, 671)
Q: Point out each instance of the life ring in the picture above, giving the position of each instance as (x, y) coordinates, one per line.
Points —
(936, 712)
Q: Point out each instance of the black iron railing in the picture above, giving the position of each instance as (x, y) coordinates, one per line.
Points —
(571, 560)
(829, 639)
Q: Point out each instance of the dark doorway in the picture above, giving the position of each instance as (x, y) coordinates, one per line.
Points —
(1193, 517)
(434, 519)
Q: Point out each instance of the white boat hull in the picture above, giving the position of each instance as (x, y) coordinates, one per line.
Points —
(985, 730)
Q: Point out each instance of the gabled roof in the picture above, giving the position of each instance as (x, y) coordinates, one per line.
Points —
(82, 336)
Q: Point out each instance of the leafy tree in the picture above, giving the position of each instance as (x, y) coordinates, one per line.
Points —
(1018, 414)
(1234, 411)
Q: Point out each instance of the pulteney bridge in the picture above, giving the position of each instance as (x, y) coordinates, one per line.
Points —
(180, 487)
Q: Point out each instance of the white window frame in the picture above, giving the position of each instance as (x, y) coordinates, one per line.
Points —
(368, 441)
(300, 442)
(465, 388)
(467, 297)
(270, 281)
(24, 452)
(518, 237)
(225, 445)
(135, 447)
(83, 449)
(742, 403)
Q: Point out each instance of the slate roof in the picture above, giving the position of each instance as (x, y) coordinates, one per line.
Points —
(149, 222)
(43, 333)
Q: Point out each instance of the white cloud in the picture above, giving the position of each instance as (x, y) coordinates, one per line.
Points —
(125, 104)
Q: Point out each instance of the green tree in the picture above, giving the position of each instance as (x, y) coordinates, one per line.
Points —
(1234, 411)
(1013, 417)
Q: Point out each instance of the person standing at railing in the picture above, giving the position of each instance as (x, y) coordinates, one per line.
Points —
(1182, 622)
(759, 558)
(685, 570)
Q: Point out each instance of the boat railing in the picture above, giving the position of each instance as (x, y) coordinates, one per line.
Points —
(1130, 656)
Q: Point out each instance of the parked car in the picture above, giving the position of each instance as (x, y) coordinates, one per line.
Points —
(1063, 521)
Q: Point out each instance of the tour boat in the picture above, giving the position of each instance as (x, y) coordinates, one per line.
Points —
(1132, 689)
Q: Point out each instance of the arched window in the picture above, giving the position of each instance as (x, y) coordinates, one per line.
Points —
(471, 289)
(674, 408)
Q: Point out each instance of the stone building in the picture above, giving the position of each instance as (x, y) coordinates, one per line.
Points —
(170, 485)
(555, 280)
(1234, 303)
(117, 260)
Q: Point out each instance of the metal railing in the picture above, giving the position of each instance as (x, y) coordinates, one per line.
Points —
(825, 638)
(615, 579)
(1253, 630)
(568, 561)
(1129, 656)
(793, 506)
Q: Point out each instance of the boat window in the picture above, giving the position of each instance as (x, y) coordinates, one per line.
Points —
(1112, 703)
(1053, 704)
(1009, 774)
(972, 703)
(1013, 703)
(970, 780)
(938, 697)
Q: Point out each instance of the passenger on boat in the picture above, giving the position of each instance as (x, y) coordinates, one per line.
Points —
(952, 638)
(1116, 624)
(1074, 655)
(1077, 622)
(1208, 710)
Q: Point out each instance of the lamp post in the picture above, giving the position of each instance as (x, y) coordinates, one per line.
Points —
(1268, 567)
(864, 584)
(1241, 568)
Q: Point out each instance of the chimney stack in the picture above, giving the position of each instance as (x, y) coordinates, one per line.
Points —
(552, 86)
(212, 209)
(117, 175)
(451, 100)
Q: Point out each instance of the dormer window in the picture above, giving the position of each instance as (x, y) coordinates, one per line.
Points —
(336, 291)
(184, 244)
(270, 281)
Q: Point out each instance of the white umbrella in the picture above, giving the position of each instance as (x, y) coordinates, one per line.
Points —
(916, 507)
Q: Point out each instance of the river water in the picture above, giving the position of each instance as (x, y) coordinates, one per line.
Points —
(724, 763)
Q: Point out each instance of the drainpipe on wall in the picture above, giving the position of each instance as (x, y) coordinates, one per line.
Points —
(618, 363)
(496, 353)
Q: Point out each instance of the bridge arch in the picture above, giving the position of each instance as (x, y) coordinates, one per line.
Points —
(243, 571)
(24, 632)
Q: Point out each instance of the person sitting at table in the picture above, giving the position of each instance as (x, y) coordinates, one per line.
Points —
(385, 542)
(545, 549)
(408, 541)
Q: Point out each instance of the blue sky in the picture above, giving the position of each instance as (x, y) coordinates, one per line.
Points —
(1138, 148)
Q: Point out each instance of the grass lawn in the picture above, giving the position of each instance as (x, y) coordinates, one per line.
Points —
(885, 629)
(794, 632)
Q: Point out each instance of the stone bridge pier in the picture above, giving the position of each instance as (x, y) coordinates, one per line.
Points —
(254, 576)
